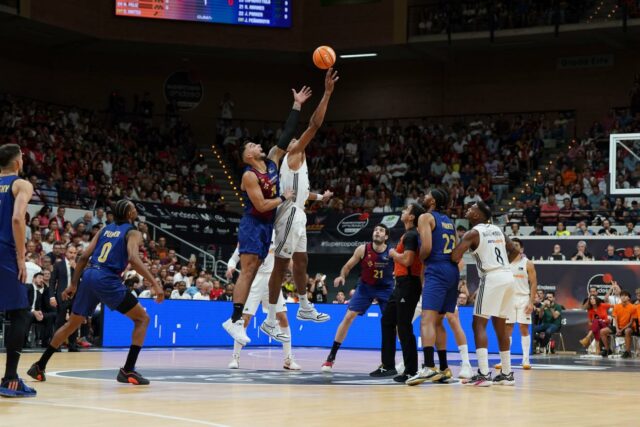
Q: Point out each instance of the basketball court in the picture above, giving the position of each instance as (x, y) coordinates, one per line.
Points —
(193, 387)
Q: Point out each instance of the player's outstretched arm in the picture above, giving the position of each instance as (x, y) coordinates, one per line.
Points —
(357, 256)
(299, 98)
(318, 115)
(80, 266)
(470, 240)
(252, 187)
(321, 197)
(134, 241)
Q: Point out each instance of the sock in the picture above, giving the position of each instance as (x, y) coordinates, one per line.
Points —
(505, 360)
(15, 333)
(442, 358)
(334, 351)
(271, 316)
(483, 360)
(44, 359)
(237, 312)
(464, 354)
(286, 346)
(236, 348)
(132, 358)
(304, 302)
(428, 357)
(526, 349)
(510, 341)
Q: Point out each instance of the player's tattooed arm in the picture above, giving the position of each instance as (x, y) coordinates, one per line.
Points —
(470, 240)
(425, 227)
(533, 283)
(512, 251)
(299, 98)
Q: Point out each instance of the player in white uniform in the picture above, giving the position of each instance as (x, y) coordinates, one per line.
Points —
(526, 286)
(260, 293)
(492, 251)
(291, 220)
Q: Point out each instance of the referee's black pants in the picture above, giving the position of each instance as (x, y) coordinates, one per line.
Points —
(398, 315)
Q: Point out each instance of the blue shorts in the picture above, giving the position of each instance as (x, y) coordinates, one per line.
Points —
(440, 290)
(13, 293)
(364, 296)
(98, 286)
(254, 236)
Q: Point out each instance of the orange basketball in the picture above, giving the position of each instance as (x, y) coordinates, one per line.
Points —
(324, 57)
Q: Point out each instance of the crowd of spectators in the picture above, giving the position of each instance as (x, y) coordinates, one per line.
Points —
(83, 158)
(382, 166)
(572, 189)
(438, 17)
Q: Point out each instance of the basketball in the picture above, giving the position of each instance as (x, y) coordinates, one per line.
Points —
(324, 57)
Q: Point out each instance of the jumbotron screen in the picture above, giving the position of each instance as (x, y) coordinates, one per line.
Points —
(265, 13)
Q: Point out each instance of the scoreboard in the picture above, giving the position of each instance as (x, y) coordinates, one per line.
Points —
(264, 13)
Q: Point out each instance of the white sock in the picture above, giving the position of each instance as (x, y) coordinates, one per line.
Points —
(505, 360)
(483, 360)
(464, 354)
(304, 302)
(510, 341)
(526, 349)
(271, 316)
(236, 348)
(286, 346)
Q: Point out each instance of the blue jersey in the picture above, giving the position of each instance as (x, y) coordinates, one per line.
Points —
(376, 268)
(111, 250)
(269, 184)
(6, 211)
(443, 240)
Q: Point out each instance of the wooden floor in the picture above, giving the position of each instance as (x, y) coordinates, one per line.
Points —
(559, 395)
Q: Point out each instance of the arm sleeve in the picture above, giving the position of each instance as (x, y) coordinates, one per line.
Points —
(289, 128)
(235, 258)
(411, 242)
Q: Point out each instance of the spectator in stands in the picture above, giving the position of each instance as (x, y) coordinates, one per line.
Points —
(516, 213)
(593, 292)
(566, 211)
(549, 211)
(636, 254)
(182, 276)
(41, 313)
(319, 289)
(557, 254)
(581, 229)
(561, 231)
(611, 254)
(596, 196)
(631, 229)
(598, 321)
(463, 299)
(531, 212)
(583, 211)
(180, 291)
(340, 298)
(228, 293)
(216, 290)
(32, 266)
(204, 291)
(471, 197)
(606, 229)
(613, 295)
(460, 231)
(514, 230)
(550, 314)
(624, 313)
(538, 230)
(581, 253)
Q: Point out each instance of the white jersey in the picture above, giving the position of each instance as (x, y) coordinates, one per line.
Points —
(298, 181)
(521, 277)
(491, 253)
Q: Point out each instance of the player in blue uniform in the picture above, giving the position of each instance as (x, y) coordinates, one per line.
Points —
(440, 290)
(15, 194)
(260, 184)
(108, 254)
(376, 282)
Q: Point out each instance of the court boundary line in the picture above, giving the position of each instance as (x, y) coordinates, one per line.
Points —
(114, 410)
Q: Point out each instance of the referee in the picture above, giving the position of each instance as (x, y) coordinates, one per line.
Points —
(402, 304)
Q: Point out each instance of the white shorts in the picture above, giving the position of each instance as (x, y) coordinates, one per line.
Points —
(495, 295)
(517, 313)
(259, 293)
(291, 233)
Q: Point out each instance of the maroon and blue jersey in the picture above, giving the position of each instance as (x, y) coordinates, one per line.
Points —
(443, 240)
(376, 268)
(269, 183)
(111, 250)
